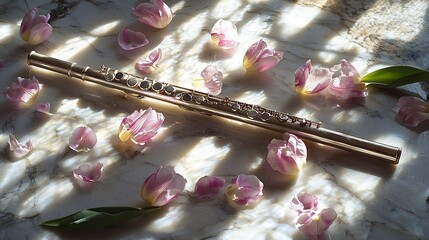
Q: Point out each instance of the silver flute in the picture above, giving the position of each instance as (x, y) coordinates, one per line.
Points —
(219, 106)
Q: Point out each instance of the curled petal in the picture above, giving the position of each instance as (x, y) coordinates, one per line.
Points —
(140, 126)
(244, 191)
(311, 80)
(88, 172)
(315, 225)
(17, 149)
(259, 58)
(304, 202)
(149, 64)
(287, 156)
(346, 82)
(162, 186)
(128, 39)
(208, 187)
(212, 79)
(412, 111)
(22, 90)
(224, 34)
(82, 139)
(35, 29)
(155, 14)
(43, 107)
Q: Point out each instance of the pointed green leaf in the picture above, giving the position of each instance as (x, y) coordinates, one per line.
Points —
(395, 76)
(97, 217)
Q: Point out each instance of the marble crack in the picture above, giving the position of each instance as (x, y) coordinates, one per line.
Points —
(61, 10)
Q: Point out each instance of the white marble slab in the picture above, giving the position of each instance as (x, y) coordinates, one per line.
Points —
(372, 201)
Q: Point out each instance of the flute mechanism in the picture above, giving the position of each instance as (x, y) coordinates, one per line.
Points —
(220, 106)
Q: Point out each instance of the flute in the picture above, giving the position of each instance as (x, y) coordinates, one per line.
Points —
(219, 106)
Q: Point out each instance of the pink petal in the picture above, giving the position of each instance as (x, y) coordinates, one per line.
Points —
(266, 62)
(39, 33)
(82, 139)
(212, 79)
(346, 68)
(141, 126)
(43, 107)
(35, 29)
(287, 156)
(157, 182)
(346, 82)
(26, 23)
(315, 225)
(155, 14)
(311, 80)
(149, 64)
(244, 190)
(22, 90)
(88, 172)
(304, 202)
(176, 187)
(412, 111)
(224, 34)
(326, 217)
(208, 187)
(162, 186)
(253, 52)
(17, 149)
(128, 39)
(259, 58)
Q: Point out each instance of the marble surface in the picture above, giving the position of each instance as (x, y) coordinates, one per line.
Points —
(372, 201)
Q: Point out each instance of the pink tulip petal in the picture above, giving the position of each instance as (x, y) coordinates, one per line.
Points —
(244, 190)
(259, 58)
(88, 172)
(26, 23)
(158, 182)
(22, 90)
(287, 156)
(40, 33)
(175, 187)
(348, 83)
(208, 187)
(82, 139)
(128, 39)
(43, 107)
(140, 126)
(304, 202)
(162, 186)
(35, 29)
(155, 14)
(327, 216)
(253, 52)
(311, 80)
(17, 149)
(212, 79)
(314, 225)
(412, 111)
(149, 64)
(224, 34)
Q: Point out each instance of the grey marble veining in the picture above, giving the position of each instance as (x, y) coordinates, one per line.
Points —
(372, 201)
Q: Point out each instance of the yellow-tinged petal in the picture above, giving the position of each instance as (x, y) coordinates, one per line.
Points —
(124, 135)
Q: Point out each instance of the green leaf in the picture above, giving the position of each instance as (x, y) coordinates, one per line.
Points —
(97, 217)
(395, 76)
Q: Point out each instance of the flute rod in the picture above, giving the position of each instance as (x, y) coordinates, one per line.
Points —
(219, 106)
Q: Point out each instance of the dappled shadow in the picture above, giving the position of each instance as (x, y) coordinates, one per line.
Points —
(198, 145)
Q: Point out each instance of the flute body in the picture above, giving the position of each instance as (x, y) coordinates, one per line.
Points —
(219, 106)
